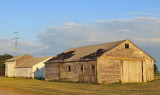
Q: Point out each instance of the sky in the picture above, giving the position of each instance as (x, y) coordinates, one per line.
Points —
(49, 27)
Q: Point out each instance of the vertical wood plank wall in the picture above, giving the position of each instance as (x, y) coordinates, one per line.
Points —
(130, 62)
(109, 70)
(119, 64)
(121, 52)
(58, 71)
(132, 71)
(72, 75)
(148, 70)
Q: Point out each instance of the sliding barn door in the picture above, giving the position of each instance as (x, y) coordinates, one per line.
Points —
(132, 71)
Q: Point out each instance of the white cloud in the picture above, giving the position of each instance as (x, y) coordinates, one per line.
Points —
(147, 40)
(124, 30)
(141, 13)
(144, 31)
(8, 46)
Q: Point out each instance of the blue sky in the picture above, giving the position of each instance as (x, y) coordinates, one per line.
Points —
(47, 25)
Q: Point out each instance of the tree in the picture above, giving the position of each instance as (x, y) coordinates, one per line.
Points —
(155, 68)
(3, 58)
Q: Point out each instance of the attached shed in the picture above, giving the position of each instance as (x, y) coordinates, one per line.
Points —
(109, 62)
(26, 66)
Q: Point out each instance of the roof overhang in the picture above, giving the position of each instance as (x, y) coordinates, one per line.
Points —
(69, 61)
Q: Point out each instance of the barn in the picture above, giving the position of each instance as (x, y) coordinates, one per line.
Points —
(120, 61)
(25, 66)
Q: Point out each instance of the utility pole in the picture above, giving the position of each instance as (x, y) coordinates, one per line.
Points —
(16, 38)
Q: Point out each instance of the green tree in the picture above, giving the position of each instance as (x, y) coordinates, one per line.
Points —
(3, 58)
(155, 68)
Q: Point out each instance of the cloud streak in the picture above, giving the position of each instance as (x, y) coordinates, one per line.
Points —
(141, 14)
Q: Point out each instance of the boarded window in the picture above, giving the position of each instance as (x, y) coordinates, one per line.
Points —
(127, 46)
(68, 68)
(82, 70)
(93, 70)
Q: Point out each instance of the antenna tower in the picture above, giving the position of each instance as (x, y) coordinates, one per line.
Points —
(16, 38)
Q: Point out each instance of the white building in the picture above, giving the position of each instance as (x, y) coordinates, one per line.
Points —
(26, 66)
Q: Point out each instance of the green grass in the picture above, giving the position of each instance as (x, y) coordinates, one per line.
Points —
(32, 86)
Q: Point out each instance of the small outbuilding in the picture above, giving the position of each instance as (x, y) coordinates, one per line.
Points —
(120, 61)
(26, 66)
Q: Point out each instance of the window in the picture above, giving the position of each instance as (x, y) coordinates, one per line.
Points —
(93, 70)
(93, 67)
(82, 70)
(68, 68)
(37, 69)
(127, 46)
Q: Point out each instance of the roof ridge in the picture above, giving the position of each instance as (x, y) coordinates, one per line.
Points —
(43, 56)
(17, 57)
(86, 52)
(33, 61)
(97, 44)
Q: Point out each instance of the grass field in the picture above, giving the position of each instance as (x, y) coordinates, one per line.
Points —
(41, 87)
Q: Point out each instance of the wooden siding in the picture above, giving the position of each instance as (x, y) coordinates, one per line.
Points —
(71, 75)
(131, 71)
(58, 71)
(130, 60)
(9, 69)
(88, 76)
(119, 64)
(121, 52)
(108, 70)
(148, 70)
(23, 72)
(52, 71)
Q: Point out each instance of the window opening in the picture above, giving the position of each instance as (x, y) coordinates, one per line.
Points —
(127, 46)
(82, 69)
(92, 69)
(68, 68)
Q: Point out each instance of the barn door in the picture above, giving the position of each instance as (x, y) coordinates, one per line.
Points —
(81, 74)
(132, 71)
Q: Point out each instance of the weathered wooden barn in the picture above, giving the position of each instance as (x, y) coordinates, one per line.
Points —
(120, 61)
(26, 66)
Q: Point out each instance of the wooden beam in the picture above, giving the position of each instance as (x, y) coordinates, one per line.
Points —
(103, 57)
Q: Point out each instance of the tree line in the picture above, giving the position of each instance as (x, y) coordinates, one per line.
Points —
(3, 58)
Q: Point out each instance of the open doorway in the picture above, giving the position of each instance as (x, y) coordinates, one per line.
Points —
(142, 71)
(81, 74)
